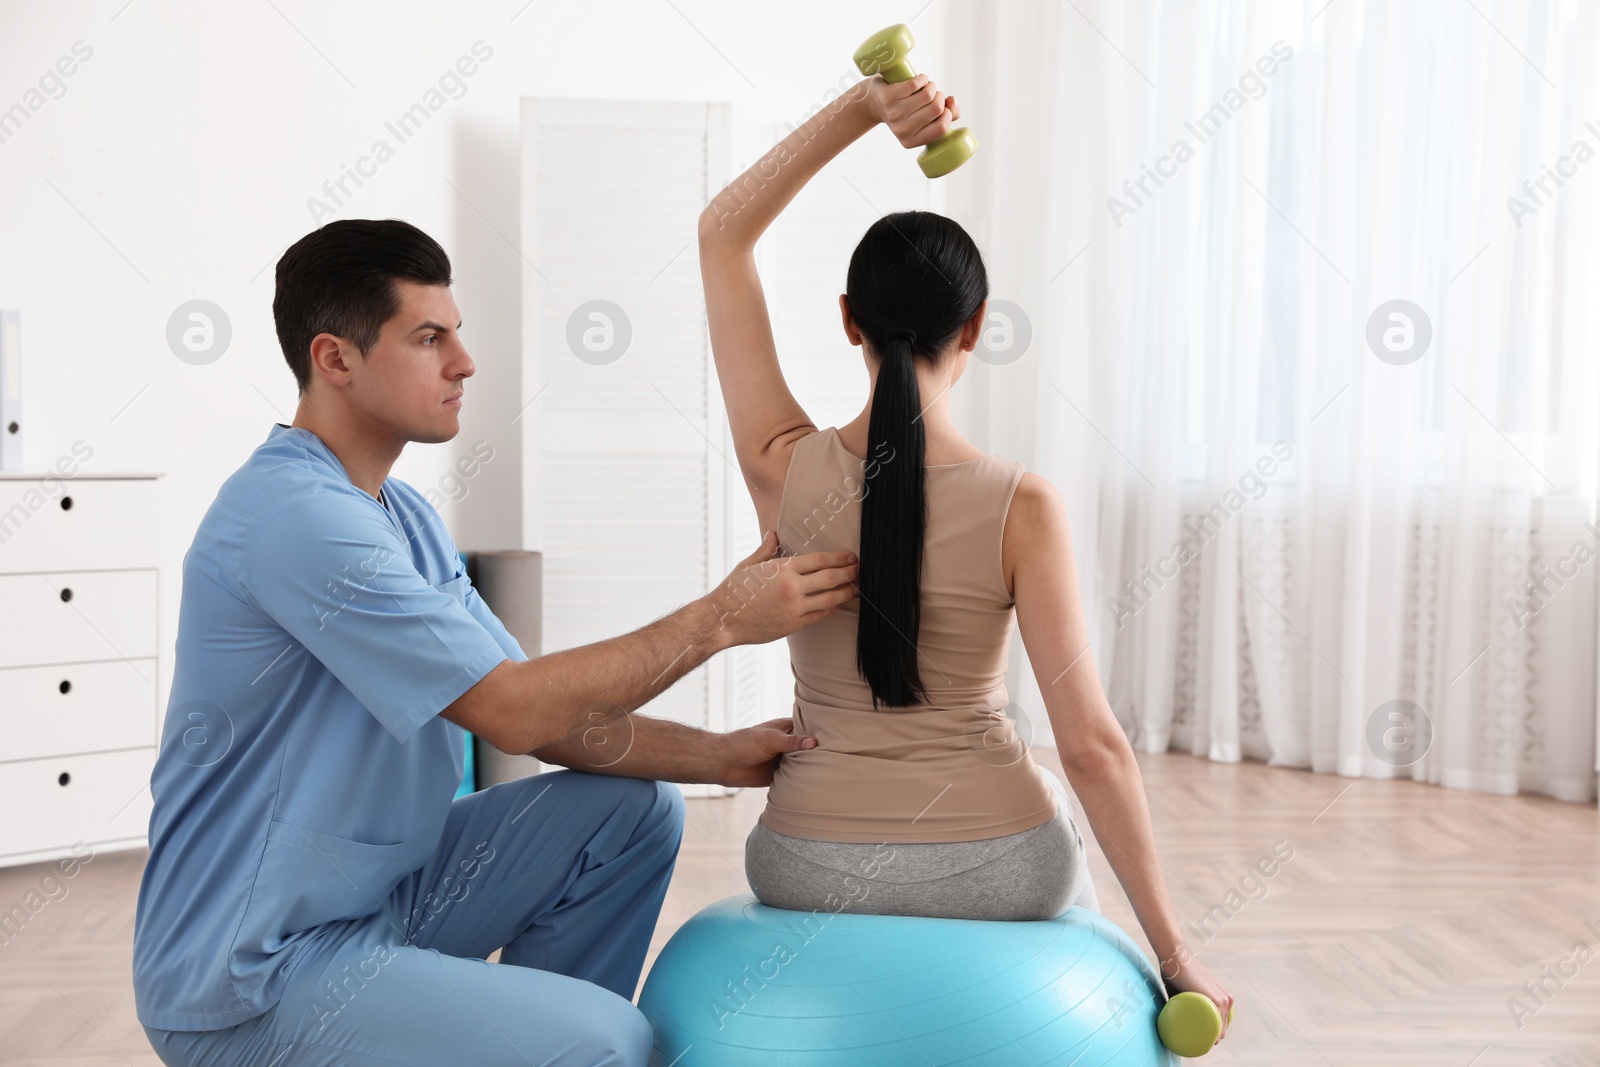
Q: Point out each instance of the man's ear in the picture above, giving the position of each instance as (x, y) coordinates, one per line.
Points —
(330, 359)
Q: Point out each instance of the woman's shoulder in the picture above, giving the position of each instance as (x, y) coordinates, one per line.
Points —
(1034, 500)
(768, 471)
(1035, 524)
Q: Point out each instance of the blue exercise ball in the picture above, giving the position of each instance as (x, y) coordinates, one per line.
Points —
(742, 984)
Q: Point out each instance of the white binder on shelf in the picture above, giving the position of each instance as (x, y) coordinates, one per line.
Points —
(11, 423)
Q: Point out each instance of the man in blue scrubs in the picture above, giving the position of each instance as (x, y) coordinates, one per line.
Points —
(313, 896)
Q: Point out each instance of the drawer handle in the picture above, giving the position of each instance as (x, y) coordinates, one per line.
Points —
(63, 778)
(66, 503)
(66, 595)
(66, 687)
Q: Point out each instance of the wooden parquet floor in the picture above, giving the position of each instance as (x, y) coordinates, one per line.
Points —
(1406, 919)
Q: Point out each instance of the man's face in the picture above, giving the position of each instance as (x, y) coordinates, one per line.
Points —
(411, 381)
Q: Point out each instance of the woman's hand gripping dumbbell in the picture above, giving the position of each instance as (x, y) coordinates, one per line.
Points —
(917, 112)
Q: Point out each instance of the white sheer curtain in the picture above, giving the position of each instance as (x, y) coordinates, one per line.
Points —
(1207, 213)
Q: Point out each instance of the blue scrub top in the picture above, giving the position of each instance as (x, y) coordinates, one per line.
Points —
(303, 769)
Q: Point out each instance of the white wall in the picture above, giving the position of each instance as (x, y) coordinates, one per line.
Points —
(179, 160)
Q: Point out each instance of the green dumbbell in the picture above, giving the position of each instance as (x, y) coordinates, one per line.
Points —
(1190, 1024)
(885, 53)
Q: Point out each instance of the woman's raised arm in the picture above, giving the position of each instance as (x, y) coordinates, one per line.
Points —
(763, 415)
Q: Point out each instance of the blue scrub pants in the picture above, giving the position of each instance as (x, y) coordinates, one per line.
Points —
(577, 870)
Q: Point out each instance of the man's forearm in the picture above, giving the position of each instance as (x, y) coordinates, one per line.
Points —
(587, 687)
(638, 746)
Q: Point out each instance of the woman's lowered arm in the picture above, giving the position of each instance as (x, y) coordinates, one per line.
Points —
(1094, 751)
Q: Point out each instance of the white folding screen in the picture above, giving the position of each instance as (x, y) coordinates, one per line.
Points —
(630, 487)
(624, 493)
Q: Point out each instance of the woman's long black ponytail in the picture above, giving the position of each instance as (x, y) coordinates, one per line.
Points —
(915, 279)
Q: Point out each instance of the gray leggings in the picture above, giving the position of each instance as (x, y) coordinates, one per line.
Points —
(1035, 874)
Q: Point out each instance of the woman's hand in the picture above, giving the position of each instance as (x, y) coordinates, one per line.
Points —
(1192, 977)
(914, 110)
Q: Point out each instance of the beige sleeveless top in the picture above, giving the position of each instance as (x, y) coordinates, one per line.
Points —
(951, 770)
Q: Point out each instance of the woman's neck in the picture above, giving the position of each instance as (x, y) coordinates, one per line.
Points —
(945, 443)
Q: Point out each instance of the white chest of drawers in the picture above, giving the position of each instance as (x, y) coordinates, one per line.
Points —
(78, 656)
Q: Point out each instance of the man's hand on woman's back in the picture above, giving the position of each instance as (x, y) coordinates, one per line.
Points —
(770, 596)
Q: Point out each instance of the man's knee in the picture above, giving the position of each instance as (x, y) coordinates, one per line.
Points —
(658, 804)
(620, 1035)
(663, 816)
(669, 795)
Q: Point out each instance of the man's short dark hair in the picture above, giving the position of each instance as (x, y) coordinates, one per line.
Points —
(339, 279)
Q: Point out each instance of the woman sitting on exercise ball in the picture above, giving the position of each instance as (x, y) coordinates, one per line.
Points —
(907, 805)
